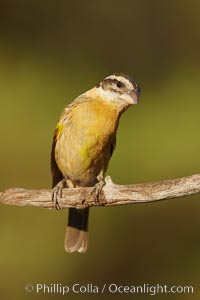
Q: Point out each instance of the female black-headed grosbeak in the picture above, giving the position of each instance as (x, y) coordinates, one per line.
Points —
(83, 143)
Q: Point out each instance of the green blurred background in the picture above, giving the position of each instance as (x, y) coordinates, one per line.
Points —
(52, 51)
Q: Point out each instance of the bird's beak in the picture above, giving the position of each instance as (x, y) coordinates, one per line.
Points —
(134, 96)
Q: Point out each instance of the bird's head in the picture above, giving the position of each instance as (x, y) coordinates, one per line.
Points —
(121, 88)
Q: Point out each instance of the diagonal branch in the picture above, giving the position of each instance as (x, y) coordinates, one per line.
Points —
(113, 194)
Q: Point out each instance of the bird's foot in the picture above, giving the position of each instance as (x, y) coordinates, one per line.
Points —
(57, 191)
(97, 191)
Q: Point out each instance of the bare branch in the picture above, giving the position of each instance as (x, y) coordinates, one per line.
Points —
(113, 194)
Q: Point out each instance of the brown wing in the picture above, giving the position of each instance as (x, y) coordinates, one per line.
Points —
(113, 145)
(55, 172)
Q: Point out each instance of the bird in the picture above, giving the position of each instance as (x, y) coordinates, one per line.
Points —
(83, 143)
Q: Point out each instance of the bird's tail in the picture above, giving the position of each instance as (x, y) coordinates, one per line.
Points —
(76, 238)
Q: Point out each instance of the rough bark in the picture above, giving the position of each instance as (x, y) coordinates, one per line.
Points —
(112, 195)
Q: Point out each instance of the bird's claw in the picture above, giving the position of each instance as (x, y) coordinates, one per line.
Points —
(55, 198)
(57, 191)
(96, 191)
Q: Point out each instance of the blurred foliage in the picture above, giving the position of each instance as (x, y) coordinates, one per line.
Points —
(50, 52)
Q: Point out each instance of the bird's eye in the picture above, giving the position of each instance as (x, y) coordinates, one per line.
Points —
(119, 84)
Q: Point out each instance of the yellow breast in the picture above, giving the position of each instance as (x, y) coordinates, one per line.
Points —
(85, 136)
